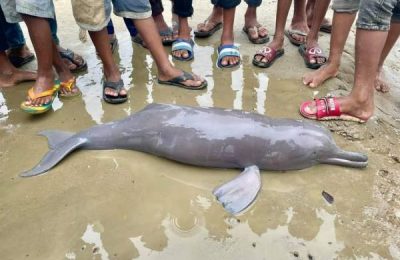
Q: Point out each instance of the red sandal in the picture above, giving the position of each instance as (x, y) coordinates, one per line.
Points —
(327, 109)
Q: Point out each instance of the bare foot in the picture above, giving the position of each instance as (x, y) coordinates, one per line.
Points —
(381, 84)
(15, 77)
(316, 78)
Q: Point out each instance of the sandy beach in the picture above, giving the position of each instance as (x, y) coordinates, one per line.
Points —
(121, 204)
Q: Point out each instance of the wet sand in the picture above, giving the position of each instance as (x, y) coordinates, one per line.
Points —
(126, 204)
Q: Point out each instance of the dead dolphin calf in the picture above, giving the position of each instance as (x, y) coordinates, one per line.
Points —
(210, 137)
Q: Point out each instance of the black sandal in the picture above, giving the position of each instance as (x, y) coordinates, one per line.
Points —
(178, 81)
(70, 55)
(117, 86)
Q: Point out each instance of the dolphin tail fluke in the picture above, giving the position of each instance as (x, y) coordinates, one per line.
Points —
(347, 159)
(55, 155)
(239, 193)
(55, 137)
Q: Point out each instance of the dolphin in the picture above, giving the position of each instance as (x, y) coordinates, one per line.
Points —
(210, 137)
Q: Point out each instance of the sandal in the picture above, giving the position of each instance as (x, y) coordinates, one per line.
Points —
(205, 34)
(70, 56)
(227, 50)
(69, 86)
(289, 33)
(327, 109)
(271, 54)
(183, 45)
(313, 53)
(178, 81)
(167, 32)
(18, 61)
(44, 107)
(259, 40)
(117, 86)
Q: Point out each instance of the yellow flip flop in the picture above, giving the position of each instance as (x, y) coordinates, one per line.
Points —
(42, 108)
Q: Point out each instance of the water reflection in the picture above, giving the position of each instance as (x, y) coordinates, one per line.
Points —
(242, 243)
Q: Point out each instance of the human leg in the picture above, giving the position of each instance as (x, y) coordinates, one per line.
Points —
(256, 33)
(182, 48)
(381, 83)
(311, 52)
(371, 36)
(344, 15)
(166, 72)
(267, 55)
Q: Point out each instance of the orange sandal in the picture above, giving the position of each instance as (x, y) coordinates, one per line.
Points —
(44, 107)
(69, 86)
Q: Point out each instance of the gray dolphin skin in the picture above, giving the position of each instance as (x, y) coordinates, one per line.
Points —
(210, 137)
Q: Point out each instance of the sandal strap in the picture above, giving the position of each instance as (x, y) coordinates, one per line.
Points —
(68, 85)
(185, 76)
(117, 86)
(228, 50)
(183, 44)
(266, 51)
(327, 107)
(46, 93)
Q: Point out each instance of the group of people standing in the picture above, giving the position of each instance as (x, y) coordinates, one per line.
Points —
(378, 28)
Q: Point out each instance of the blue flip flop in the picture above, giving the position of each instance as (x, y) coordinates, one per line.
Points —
(227, 50)
(183, 45)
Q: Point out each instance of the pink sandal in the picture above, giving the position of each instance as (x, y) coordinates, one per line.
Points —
(327, 109)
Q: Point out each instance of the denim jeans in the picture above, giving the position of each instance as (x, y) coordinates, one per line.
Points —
(373, 14)
(226, 4)
(182, 8)
(11, 34)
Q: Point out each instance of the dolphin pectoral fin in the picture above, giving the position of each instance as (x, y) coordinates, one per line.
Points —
(55, 137)
(239, 193)
(54, 156)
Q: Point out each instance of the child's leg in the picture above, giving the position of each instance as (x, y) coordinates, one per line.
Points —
(277, 42)
(73, 61)
(9, 75)
(183, 9)
(148, 30)
(381, 83)
(254, 29)
(344, 14)
(111, 70)
(18, 53)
